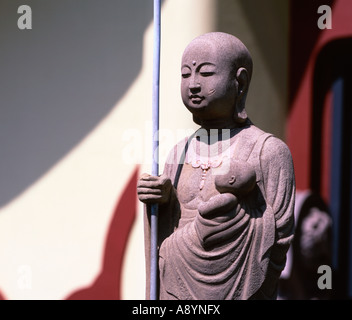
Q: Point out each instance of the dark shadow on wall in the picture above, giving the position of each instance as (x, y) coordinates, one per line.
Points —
(304, 18)
(60, 79)
(333, 70)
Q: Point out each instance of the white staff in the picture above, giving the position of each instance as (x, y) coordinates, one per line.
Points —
(155, 154)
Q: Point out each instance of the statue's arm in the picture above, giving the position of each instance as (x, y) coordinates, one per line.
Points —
(168, 212)
(279, 188)
(161, 191)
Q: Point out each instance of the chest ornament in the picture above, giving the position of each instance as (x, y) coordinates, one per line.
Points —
(205, 166)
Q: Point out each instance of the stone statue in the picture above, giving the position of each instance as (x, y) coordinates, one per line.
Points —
(310, 249)
(226, 196)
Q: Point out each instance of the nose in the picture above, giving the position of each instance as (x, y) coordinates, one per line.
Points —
(194, 85)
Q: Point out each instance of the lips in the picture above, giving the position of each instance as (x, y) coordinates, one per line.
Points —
(196, 99)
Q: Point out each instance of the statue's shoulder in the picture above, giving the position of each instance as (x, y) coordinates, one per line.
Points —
(268, 146)
(253, 133)
(269, 141)
(250, 140)
(273, 150)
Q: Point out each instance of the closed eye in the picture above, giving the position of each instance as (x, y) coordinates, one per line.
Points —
(207, 74)
(186, 75)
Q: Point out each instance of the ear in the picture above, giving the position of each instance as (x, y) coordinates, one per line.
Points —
(232, 180)
(242, 78)
(243, 82)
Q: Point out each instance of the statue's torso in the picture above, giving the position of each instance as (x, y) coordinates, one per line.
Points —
(196, 185)
(191, 270)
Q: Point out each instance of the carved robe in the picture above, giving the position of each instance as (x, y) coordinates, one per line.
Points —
(239, 252)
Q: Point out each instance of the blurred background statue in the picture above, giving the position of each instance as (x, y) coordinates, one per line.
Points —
(311, 248)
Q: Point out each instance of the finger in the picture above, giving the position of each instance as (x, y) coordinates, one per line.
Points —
(145, 176)
(149, 198)
(164, 180)
(146, 191)
(148, 177)
(148, 184)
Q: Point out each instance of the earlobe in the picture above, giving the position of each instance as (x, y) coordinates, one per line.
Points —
(240, 115)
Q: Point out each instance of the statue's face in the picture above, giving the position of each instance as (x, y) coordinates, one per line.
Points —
(208, 87)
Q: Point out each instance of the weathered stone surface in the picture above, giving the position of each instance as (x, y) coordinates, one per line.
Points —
(226, 196)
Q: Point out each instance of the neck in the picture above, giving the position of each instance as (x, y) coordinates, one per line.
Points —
(219, 124)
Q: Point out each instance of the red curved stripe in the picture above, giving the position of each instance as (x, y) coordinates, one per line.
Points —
(107, 285)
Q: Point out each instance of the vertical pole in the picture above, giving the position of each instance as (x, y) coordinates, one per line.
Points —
(348, 145)
(155, 154)
(336, 170)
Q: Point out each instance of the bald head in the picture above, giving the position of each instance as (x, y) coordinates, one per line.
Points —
(226, 46)
(216, 72)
